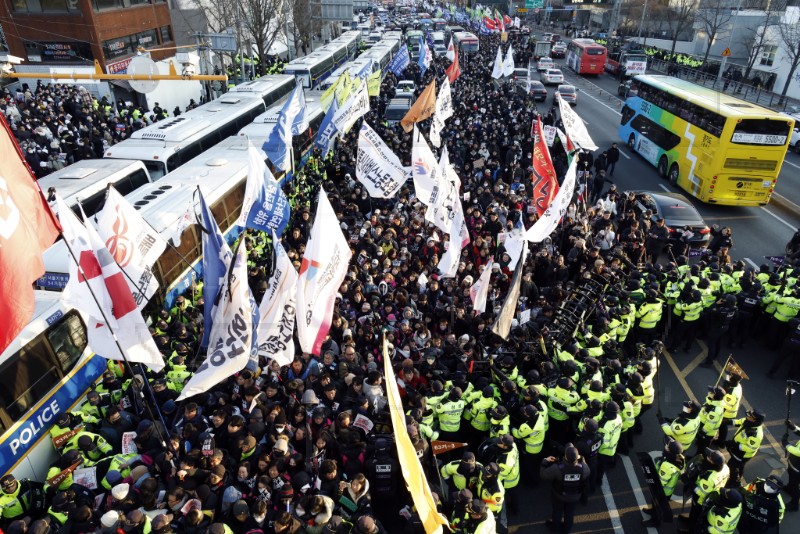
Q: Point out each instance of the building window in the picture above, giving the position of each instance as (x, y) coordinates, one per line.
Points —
(146, 39)
(768, 55)
(121, 46)
(166, 34)
(104, 5)
(139, 2)
(47, 6)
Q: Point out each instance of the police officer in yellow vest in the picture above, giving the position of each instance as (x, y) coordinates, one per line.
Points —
(559, 399)
(508, 461)
(610, 428)
(670, 467)
(479, 519)
(648, 315)
(690, 307)
(683, 428)
(449, 413)
(745, 444)
(479, 414)
(705, 474)
(492, 492)
(464, 472)
(532, 432)
(724, 512)
(19, 499)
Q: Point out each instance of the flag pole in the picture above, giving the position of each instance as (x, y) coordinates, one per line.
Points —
(723, 369)
(135, 386)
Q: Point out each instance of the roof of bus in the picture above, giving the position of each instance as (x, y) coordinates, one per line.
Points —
(263, 85)
(311, 59)
(76, 177)
(44, 304)
(178, 129)
(703, 96)
(263, 125)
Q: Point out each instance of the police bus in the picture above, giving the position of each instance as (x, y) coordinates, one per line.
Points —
(166, 145)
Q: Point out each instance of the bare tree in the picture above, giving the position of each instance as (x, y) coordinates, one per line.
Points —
(756, 38)
(789, 31)
(307, 20)
(712, 17)
(263, 21)
(680, 18)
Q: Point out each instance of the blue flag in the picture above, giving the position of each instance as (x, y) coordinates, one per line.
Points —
(265, 206)
(326, 134)
(400, 61)
(365, 71)
(278, 145)
(217, 257)
(423, 56)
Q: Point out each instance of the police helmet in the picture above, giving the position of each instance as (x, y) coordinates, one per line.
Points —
(611, 408)
(714, 457)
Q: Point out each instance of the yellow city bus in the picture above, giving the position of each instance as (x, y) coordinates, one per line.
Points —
(721, 149)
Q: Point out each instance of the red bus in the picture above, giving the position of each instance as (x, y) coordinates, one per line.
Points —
(584, 56)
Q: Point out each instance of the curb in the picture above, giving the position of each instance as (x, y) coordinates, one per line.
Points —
(783, 202)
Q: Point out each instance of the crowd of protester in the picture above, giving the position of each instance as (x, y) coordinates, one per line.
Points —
(308, 447)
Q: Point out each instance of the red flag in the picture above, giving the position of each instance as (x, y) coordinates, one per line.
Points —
(545, 183)
(27, 228)
(499, 23)
(490, 23)
(507, 20)
(454, 70)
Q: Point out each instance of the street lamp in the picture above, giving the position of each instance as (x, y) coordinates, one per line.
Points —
(641, 22)
(730, 40)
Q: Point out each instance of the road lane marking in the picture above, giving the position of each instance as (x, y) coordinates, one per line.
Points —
(784, 221)
(637, 488)
(792, 164)
(613, 513)
(752, 263)
(664, 187)
(696, 361)
(624, 154)
(679, 376)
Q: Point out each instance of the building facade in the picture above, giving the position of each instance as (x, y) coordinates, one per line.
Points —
(78, 32)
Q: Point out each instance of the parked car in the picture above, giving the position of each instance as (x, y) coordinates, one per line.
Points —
(559, 50)
(678, 214)
(544, 64)
(626, 89)
(521, 78)
(552, 77)
(566, 92)
(538, 91)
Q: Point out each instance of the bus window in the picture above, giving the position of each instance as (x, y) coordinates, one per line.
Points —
(132, 183)
(627, 114)
(761, 132)
(157, 170)
(656, 133)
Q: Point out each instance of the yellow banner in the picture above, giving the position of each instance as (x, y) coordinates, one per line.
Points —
(422, 108)
(327, 97)
(343, 91)
(374, 83)
(409, 462)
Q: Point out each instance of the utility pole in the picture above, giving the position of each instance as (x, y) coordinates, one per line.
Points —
(641, 22)
(730, 40)
(286, 30)
(612, 24)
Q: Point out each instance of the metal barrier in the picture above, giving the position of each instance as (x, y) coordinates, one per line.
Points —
(750, 93)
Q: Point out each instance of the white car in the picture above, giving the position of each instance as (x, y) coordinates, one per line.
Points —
(544, 64)
(552, 77)
(405, 89)
(794, 144)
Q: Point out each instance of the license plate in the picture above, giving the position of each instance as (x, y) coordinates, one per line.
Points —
(740, 193)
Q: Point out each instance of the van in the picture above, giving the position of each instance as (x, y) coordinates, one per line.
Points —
(396, 110)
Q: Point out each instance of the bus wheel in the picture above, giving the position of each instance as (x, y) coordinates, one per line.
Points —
(662, 167)
(632, 142)
(673, 174)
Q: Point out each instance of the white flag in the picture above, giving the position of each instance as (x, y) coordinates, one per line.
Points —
(574, 126)
(324, 267)
(187, 219)
(516, 22)
(497, 69)
(440, 212)
(502, 325)
(425, 170)
(451, 51)
(513, 244)
(231, 335)
(444, 110)
(377, 167)
(548, 222)
(448, 265)
(480, 289)
(508, 64)
(278, 310)
(356, 106)
(100, 275)
(133, 243)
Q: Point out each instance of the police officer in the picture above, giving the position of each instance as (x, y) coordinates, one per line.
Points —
(20, 498)
(464, 472)
(492, 492)
(719, 319)
(691, 307)
(763, 506)
(508, 461)
(793, 456)
(683, 428)
(588, 443)
(648, 315)
(532, 432)
(670, 468)
(745, 444)
(450, 412)
(382, 470)
(730, 403)
(479, 519)
(710, 418)
(724, 512)
(705, 474)
(568, 478)
(478, 412)
(559, 399)
(610, 428)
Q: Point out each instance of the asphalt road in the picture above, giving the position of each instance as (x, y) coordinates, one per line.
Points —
(757, 232)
